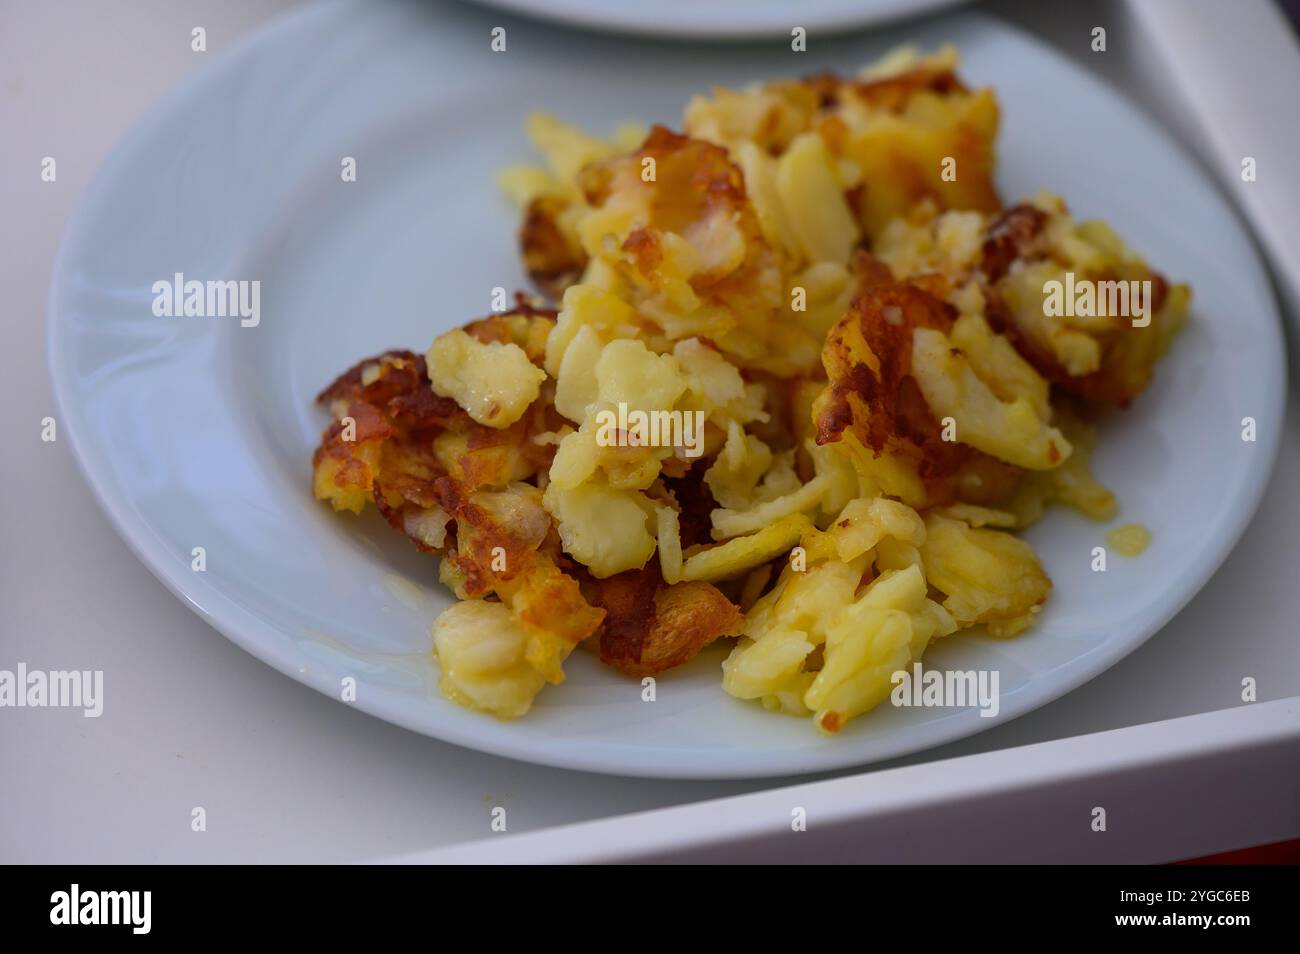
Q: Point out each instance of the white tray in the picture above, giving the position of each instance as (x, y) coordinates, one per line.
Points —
(1150, 793)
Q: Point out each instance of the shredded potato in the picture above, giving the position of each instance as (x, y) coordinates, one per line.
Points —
(799, 389)
(493, 382)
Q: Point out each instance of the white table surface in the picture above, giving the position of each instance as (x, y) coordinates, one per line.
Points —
(283, 773)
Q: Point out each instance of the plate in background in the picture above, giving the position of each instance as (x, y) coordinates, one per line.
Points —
(720, 19)
(199, 432)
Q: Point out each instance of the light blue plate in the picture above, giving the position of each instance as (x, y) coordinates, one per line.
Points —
(198, 432)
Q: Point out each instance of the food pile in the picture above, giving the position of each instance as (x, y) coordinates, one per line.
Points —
(817, 292)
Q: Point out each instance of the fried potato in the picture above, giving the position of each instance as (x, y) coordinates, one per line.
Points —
(496, 658)
(802, 382)
(453, 486)
(551, 200)
(603, 528)
(481, 651)
(1003, 267)
(890, 130)
(987, 576)
(1013, 431)
(744, 553)
(860, 527)
(344, 468)
(552, 255)
(818, 215)
(874, 396)
(493, 382)
(651, 626)
(815, 646)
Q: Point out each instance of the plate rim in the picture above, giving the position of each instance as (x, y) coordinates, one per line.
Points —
(264, 640)
(624, 21)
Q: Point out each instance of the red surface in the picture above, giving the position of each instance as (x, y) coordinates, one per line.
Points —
(1278, 853)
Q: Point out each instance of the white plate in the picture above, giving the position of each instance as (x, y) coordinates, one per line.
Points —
(720, 19)
(198, 432)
